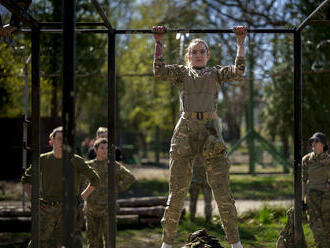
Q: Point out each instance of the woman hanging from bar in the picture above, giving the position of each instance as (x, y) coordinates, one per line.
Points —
(316, 188)
(198, 130)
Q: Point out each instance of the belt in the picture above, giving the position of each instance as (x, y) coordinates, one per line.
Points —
(200, 115)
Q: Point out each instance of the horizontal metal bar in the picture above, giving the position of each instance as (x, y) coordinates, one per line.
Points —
(149, 31)
(79, 24)
(59, 31)
(309, 18)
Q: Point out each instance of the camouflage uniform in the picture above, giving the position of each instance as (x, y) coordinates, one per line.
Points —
(199, 181)
(198, 132)
(51, 194)
(316, 172)
(97, 204)
(286, 239)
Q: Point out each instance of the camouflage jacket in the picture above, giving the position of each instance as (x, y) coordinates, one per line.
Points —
(51, 176)
(198, 88)
(286, 239)
(124, 179)
(316, 170)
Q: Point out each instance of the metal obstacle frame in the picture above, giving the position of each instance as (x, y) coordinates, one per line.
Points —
(69, 27)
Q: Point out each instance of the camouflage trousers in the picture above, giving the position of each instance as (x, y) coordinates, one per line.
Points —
(318, 203)
(192, 137)
(80, 221)
(50, 227)
(194, 189)
(97, 226)
(51, 230)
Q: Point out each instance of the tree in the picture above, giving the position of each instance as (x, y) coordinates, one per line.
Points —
(146, 103)
(278, 111)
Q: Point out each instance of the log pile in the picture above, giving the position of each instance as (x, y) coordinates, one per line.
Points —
(133, 212)
(148, 209)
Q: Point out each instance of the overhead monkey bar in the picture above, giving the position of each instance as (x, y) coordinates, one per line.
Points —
(149, 31)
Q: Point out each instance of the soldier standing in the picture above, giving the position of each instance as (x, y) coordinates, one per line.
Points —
(51, 190)
(198, 130)
(286, 239)
(97, 204)
(102, 132)
(316, 187)
(199, 182)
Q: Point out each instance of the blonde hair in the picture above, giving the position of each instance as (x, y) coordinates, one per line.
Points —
(191, 44)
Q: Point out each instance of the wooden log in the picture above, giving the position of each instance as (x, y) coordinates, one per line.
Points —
(143, 201)
(127, 220)
(156, 211)
(150, 221)
(8, 212)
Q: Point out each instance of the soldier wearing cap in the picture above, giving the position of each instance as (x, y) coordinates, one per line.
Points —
(316, 188)
(51, 189)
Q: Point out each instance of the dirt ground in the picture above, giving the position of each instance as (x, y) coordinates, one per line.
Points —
(130, 238)
(13, 191)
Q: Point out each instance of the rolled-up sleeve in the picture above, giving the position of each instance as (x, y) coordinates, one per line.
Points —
(231, 72)
(90, 174)
(125, 178)
(173, 73)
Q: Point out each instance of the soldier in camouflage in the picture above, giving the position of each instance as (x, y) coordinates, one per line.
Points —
(51, 190)
(316, 187)
(286, 239)
(97, 204)
(198, 131)
(199, 182)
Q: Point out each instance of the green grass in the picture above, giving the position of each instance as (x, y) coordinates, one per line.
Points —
(243, 187)
(258, 229)
(262, 187)
(145, 187)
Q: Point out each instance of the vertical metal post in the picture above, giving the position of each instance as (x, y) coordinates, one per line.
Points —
(251, 135)
(35, 39)
(25, 122)
(112, 95)
(298, 231)
(68, 121)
